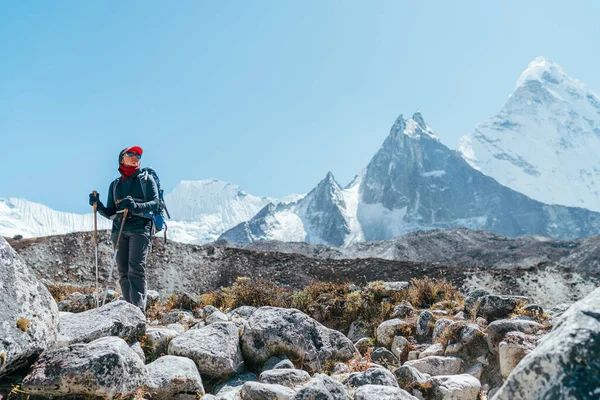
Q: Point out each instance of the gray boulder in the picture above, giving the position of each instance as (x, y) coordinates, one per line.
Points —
(216, 316)
(383, 356)
(273, 331)
(278, 363)
(28, 313)
(566, 362)
(407, 376)
(241, 312)
(172, 377)
(387, 330)
(379, 392)
(437, 365)
(402, 311)
(156, 341)
(215, 349)
(118, 318)
(372, 376)
(400, 347)
(359, 329)
(434, 350)
(493, 307)
(455, 387)
(423, 330)
(391, 288)
(322, 387)
(440, 327)
(512, 349)
(234, 385)
(285, 377)
(498, 329)
(137, 348)
(265, 391)
(106, 367)
(178, 317)
(473, 300)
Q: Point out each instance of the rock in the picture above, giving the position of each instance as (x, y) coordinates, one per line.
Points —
(152, 297)
(413, 355)
(534, 310)
(558, 310)
(566, 362)
(383, 356)
(423, 330)
(209, 397)
(265, 391)
(106, 367)
(178, 316)
(285, 377)
(215, 349)
(473, 300)
(433, 350)
(172, 377)
(402, 311)
(387, 330)
(177, 327)
(391, 288)
(187, 301)
(235, 384)
(208, 309)
(216, 316)
(440, 328)
(494, 307)
(241, 312)
(137, 348)
(28, 313)
(476, 370)
(77, 302)
(407, 376)
(340, 368)
(460, 316)
(436, 365)
(322, 387)
(497, 329)
(379, 392)
(400, 348)
(278, 363)
(359, 329)
(455, 387)
(156, 341)
(118, 318)
(471, 342)
(275, 331)
(512, 349)
(372, 376)
(363, 345)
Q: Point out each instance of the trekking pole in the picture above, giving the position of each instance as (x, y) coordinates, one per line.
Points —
(97, 296)
(114, 260)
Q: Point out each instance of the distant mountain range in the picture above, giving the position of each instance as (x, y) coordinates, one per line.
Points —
(542, 149)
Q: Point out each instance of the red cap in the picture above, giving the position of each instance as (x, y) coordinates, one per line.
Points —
(134, 149)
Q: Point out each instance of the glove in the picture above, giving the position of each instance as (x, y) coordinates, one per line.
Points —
(96, 199)
(127, 203)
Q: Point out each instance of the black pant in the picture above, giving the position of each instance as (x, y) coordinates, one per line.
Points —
(131, 262)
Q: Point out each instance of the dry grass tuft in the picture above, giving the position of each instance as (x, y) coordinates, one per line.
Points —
(425, 292)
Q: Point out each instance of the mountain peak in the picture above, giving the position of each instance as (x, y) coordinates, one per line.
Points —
(414, 127)
(543, 70)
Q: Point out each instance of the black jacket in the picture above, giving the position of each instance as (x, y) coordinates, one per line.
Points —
(136, 220)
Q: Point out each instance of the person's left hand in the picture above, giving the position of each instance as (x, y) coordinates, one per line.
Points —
(128, 204)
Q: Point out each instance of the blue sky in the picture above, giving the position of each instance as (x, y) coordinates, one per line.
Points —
(269, 95)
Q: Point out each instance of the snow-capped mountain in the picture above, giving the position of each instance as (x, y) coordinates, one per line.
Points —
(202, 210)
(412, 183)
(29, 219)
(545, 142)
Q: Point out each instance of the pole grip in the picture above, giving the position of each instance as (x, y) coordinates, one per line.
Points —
(95, 193)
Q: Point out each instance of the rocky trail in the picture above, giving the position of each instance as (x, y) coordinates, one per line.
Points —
(421, 339)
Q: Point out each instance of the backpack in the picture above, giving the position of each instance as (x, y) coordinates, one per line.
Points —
(158, 217)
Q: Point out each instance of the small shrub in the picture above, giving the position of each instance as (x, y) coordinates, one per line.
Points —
(425, 292)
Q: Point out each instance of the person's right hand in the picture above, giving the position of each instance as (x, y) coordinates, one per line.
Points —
(95, 199)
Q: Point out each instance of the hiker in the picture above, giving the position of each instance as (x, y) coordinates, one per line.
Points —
(127, 192)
